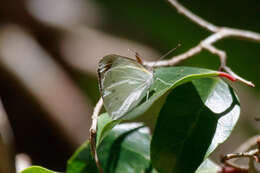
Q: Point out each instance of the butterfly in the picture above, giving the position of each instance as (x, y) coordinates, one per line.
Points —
(123, 83)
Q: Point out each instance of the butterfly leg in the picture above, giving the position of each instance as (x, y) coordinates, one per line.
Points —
(147, 95)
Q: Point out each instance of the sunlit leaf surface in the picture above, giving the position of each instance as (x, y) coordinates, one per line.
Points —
(208, 166)
(125, 149)
(193, 115)
(37, 169)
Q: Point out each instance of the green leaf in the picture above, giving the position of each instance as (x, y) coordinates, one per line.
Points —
(165, 79)
(222, 100)
(125, 149)
(81, 161)
(37, 169)
(187, 124)
(208, 166)
(105, 124)
(114, 147)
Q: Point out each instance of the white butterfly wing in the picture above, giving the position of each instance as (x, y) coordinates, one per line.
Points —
(123, 84)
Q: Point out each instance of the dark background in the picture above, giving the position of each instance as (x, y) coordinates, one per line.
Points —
(49, 52)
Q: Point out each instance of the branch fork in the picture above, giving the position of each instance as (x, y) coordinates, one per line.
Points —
(253, 154)
(218, 33)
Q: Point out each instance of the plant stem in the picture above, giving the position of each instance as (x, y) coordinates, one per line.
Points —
(93, 132)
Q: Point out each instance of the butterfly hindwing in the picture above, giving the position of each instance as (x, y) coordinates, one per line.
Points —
(123, 83)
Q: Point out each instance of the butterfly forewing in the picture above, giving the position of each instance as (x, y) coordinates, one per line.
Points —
(123, 84)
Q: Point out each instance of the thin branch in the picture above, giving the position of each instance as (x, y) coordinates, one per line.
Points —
(175, 60)
(93, 132)
(252, 154)
(196, 19)
(228, 70)
(226, 31)
(243, 152)
(219, 33)
(222, 55)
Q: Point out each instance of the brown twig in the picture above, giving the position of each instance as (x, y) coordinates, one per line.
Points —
(93, 132)
(248, 154)
(242, 152)
(252, 154)
(219, 33)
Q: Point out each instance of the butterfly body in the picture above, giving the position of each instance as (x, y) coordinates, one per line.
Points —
(123, 83)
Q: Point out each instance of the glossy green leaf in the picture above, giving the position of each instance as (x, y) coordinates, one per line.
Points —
(187, 124)
(82, 161)
(37, 169)
(208, 166)
(105, 124)
(220, 99)
(165, 79)
(125, 149)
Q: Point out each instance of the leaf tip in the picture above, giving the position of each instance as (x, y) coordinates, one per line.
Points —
(236, 78)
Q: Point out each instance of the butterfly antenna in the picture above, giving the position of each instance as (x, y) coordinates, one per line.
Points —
(137, 56)
(169, 52)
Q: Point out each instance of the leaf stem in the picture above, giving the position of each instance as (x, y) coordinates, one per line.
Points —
(93, 132)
